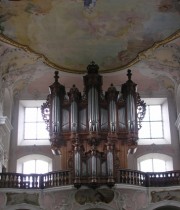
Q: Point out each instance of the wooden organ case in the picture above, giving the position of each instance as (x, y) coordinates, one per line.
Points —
(93, 131)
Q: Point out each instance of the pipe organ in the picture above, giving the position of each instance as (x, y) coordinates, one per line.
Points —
(93, 131)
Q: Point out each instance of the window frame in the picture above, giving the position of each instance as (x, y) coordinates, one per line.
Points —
(21, 119)
(165, 118)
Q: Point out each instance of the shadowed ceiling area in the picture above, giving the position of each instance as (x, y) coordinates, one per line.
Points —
(168, 208)
(40, 36)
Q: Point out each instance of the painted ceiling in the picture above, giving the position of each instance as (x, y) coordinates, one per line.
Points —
(66, 35)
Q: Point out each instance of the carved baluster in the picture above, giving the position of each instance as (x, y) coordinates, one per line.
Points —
(122, 176)
(131, 177)
(135, 178)
(58, 179)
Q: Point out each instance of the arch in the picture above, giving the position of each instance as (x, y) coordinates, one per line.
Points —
(23, 207)
(175, 205)
(96, 209)
(23, 159)
(167, 208)
(98, 206)
(168, 160)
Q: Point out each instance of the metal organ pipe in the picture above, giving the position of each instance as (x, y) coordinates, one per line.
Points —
(122, 118)
(56, 119)
(77, 160)
(74, 97)
(131, 112)
(111, 95)
(57, 93)
(112, 114)
(93, 109)
(129, 94)
(77, 164)
(98, 126)
(74, 116)
(93, 162)
(110, 163)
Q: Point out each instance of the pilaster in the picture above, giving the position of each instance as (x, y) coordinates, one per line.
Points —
(5, 129)
(5, 126)
(177, 123)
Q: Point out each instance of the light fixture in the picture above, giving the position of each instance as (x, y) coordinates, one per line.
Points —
(94, 132)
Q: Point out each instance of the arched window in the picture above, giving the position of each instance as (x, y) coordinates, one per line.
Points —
(34, 163)
(155, 162)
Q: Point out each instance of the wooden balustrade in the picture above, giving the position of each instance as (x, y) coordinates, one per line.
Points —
(34, 181)
(17, 180)
(56, 179)
(158, 179)
(162, 179)
(61, 178)
(126, 176)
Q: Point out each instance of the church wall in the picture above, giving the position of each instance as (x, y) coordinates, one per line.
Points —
(172, 149)
(120, 197)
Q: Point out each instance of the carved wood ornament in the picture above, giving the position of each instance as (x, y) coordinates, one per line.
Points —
(93, 131)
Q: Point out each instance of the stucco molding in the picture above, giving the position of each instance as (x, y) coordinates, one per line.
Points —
(5, 126)
(177, 123)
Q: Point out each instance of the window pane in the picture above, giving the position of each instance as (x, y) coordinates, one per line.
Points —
(144, 132)
(41, 166)
(30, 131)
(42, 133)
(156, 130)
(35, 127)
(146, 117)
(29, 167)
(146, 165)
(30, 114)
(39, 115)
(155, 113)
(159, 165)
(156, 126)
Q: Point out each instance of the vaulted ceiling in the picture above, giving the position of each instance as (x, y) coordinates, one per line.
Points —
(38, 37)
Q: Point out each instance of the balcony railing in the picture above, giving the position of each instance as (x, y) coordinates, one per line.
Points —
(34, 181)
(158, 179)
(63, 178)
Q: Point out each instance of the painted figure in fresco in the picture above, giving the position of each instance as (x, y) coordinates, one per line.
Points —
(89, 3)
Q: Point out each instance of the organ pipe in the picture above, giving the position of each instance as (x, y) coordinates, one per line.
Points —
(93, 109)
(95, 131)
(111, 96)
(129, 94)
(74, 97)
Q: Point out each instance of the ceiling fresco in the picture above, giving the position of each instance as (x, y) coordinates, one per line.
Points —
(157, 70)
(66, 36)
